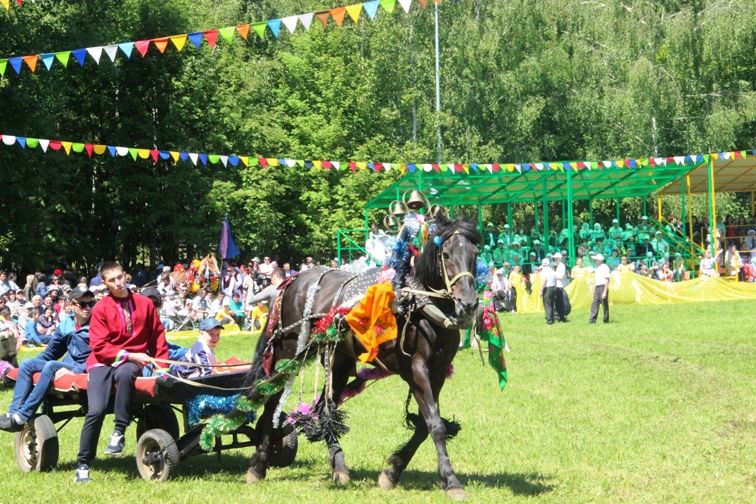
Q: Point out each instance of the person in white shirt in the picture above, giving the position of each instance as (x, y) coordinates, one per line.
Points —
(502, 290)
(601, 290)
(548, 289)
(561, 275)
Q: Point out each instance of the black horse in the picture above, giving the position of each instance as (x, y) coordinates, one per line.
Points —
(439, 298)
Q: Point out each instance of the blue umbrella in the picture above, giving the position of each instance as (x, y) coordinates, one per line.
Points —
(227, 246)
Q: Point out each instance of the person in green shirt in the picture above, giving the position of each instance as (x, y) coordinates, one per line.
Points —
(615, 232)
(487, 255)
(500, 253)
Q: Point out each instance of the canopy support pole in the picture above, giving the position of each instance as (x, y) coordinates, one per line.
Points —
(571, 243)
(753, 203)
(690, 210)
(712, 211)
(546, 213)
(536, 224)
(658, 208)
(617, 209)
(645, 208)
(682, 207)
(509, 222)
(590, 210)
(480, 219)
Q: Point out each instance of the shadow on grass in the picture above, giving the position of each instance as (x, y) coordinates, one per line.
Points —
(519, 483)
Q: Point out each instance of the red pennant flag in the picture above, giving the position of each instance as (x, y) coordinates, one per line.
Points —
(670, 159)
(736, 153)
(352, 164)
(327, 165)
(581, 165)
(651, 162)
(55, 145)
(32, 62)
(142, 46)
(496, 167)
(263, 162)
(243, 30)
(457, 167)
(436, 168)
(212, 37)
(338, 15)
(323, 17)
(161, 44)
(154, 155)
(89, 148)
(378, 166)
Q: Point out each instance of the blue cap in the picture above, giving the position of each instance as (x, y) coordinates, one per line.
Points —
(210, 323)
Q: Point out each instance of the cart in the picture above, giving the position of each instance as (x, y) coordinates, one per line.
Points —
(160, 444)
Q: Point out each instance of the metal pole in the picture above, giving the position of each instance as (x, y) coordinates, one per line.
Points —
(645, 207)
(438, 88)
(617, 209)
(546, 213)
(690, 210)
(480, 219)
(682, 206)
(590, 210)
(712, 209)
(509, 221)
(571, 243)
(658, 208)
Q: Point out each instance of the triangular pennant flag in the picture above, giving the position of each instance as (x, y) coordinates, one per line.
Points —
(260, 28)
(9, 140)
(213, 158)
(336, 164)
(99, 149)
(405, 5)
(212, 37)
(111, 51)
(423, 3)
(244, 160)
(3, 66)
(371, 8)
(290, 22)
(77, 147)
(63, 57)
(243, 30)
(143, 153)
(16, 63)
(203, 158)
(31, 62)
(142, 46)
(196, 40)
(227, 33)
(154, 155)
(194, 156)
(44, 144)
(66, 147)
(354, 11)
(32, 143)
(6, 4)
(338, 14)
(123, 151)
(161, 44)
(224, 160)
(79, 55)
(112, 150)
(306, 20)
(133, 152)
(47, 60)
(126, 48)
(174, 155)
(275, 26)
(183, 156)
(165, 155)
(178, 41)
(323, 17)
(95, 52)
(388, 5)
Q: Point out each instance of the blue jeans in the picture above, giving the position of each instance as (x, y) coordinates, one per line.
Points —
(32, 336)
(27, 397)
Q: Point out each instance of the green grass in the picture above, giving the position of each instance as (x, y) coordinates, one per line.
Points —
(657, 406)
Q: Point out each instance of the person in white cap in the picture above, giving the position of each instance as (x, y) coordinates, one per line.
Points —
(548, 289)
(561, 274)
(601, 291)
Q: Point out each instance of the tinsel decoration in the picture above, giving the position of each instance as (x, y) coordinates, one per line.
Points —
(217, 425)
(452, 427)
(324, 424)
(4, 368)
(288, 366)
(482, 273)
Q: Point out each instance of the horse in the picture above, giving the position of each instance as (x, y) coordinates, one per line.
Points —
(437, 299)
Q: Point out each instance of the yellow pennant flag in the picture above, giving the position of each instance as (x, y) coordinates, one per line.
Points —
(179, 41)
(67, 146)
(273, 162)
(143, 153)
(99, 149)
(6, 4)
(317, 164)
(354, 11)
(245, 160)
(174, 156)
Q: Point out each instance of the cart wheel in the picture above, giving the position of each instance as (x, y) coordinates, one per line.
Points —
(284, 451)
(158, 416)
(36, 445)
(157, 456)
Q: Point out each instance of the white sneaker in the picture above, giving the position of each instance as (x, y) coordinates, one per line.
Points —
(117, 441)
(82, 474)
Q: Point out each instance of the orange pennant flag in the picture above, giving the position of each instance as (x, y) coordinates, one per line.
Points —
(323, 17)
(423, 3)
(338, 15)
(243, 30)
(32, 62)
(354, 11)
(161, 43)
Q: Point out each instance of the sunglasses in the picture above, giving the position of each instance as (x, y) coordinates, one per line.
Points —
(86, 304)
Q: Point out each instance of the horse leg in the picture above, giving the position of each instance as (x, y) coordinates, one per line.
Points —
(258, 464)
(400, 459)
(341, 371)
(426, 400)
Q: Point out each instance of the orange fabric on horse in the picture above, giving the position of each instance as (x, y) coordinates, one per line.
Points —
(372, 319)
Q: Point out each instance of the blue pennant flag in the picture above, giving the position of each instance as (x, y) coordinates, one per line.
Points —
(80, 54)
(275, 26)
(126, 48)
(21, 141)
(47, 60)
(371, 8)
(164, 155)
(183, 156)
(196, 39)
(16, 64)
(233, 160)
(203, 158)
(227, 246)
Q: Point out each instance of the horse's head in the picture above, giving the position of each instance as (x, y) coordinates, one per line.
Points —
(448, 263)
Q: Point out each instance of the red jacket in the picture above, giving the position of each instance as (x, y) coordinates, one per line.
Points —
(109, 337)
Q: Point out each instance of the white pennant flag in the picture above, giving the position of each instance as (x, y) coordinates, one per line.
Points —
(122, 151)
(725, 155)
(290, 22)
(111, 51)
(290, 163)
(405, 5)
(194, 156)
(9, 140)
(306, 20)
(95, 52)
(387, 167)
(539, 166)
(679, 160)
(224, 160)
(44, 143)
(607, 164)
(336, 164)
(427, 167)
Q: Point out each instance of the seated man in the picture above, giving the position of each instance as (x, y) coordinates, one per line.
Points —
(74, 345)
(202, 352)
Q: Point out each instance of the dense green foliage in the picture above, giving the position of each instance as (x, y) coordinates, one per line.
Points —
(657, 406)
(522, 80)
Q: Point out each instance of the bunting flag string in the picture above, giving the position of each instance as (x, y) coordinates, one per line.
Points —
(210, 37)
(201, 158)
(7, 3)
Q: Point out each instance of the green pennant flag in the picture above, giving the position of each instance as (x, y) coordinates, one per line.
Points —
(32, 143)
(300, 163)
(388, 5)
(77, 147)
(227, 33)
(133, 152)
(253, 162)
(259, 28)
(3, 65)
(63, 56)
(213, 158)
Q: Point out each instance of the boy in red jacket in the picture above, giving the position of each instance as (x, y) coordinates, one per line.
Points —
(125, 334)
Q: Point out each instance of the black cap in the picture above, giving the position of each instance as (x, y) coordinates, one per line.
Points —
(79, 293)
(151, 292)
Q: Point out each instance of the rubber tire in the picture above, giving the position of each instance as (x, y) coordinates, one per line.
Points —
(158, 416)
(157, 440)
(284, 451)
(36, 446)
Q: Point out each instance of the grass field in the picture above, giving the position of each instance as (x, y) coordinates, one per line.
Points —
(657, 406)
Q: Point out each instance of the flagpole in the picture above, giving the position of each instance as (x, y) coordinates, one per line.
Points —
(438, 88)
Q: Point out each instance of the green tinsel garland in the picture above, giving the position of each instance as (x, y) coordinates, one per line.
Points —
(330, 335)
(289, 366)
(216, 425)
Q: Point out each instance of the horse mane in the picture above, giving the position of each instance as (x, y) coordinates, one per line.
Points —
(426, 266)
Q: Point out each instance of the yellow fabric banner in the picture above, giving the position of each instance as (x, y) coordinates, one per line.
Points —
(629, 288)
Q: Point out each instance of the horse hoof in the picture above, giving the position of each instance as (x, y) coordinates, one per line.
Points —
(456, 494)
(253, 477)
(340, 478)
(385, 482)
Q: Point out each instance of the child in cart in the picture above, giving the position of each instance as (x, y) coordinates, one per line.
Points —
(202, 353)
